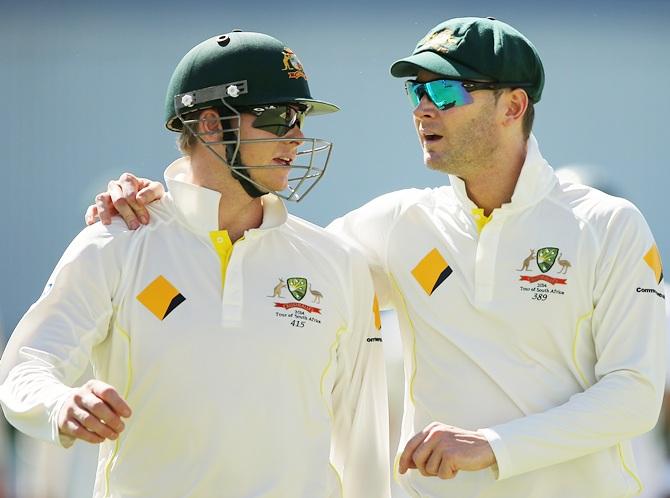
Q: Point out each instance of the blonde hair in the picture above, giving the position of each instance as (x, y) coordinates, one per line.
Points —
(187, 139)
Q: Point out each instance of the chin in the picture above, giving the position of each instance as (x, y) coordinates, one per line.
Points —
(436, 164)
(431, 160)
(277, 187)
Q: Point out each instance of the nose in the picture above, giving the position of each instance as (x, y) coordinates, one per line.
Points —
(425, 107)
(296, 135)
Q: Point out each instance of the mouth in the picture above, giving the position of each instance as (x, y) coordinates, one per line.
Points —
(430, 137)
(283, 160)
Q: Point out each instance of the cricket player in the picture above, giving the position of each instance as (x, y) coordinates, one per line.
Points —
(236, 348)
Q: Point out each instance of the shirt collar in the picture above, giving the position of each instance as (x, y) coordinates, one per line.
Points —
(199, 206)
(535, 181)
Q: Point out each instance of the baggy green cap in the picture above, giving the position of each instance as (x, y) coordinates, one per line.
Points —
(245, 69)
(479, 49)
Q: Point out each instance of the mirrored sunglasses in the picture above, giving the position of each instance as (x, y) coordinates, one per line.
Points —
(278, 119)
(446, 94)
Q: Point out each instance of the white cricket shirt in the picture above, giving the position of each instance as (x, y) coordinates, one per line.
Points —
(253, 369)
(545, 329)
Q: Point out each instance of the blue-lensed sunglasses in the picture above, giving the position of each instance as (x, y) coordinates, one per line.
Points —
(446, 94)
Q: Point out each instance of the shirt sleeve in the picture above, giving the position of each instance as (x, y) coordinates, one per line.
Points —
(628, 330)
(367, 229)
(51, 346)
(360, 439)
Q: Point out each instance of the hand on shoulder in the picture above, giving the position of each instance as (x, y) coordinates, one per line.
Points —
(126, 197)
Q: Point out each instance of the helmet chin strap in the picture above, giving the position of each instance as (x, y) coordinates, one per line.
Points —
(251, 189)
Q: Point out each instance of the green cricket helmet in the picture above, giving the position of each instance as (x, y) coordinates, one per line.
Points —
(233, 73)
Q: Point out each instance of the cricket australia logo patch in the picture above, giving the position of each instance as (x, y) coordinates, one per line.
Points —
(296, 312)
(292, 65)
(440, 41)
(297, 286)
(161, 297)
(545, 260)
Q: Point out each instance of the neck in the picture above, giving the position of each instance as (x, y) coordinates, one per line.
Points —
(238, 211)
(489, 188)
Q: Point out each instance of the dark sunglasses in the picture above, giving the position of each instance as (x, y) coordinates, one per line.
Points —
(278, 119)
(446, 94)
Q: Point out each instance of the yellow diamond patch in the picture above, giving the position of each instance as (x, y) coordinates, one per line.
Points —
(653, 259)
(160, 297)
(431, 271)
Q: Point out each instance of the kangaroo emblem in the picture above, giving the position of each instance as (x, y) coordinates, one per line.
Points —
(526, 262)
(290, 60)
(277, 290)
(286, 61)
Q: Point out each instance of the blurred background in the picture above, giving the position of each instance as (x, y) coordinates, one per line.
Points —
(83, 84)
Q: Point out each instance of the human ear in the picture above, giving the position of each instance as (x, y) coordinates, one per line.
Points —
(209, 126)
(516, 103)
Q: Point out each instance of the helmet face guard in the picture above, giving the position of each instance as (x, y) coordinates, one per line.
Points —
(305, 171)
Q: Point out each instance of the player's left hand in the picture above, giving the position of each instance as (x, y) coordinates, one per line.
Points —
(442, 450)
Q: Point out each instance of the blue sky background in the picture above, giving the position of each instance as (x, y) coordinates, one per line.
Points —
(82, 90)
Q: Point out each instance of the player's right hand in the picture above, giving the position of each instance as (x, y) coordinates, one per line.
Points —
(93, 413)
(126, 197)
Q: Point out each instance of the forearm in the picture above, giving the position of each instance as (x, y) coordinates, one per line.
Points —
(620, 406)
(31, 397)
(52, 344)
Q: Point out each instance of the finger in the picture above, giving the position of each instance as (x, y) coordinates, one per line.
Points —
(421, 456)
(120, 203)
(152, 191)
(92, 424)
(406, 461)
(129, 178)
(104, 207)
(103, 412)
(76, 430)
(147, 192)
(110, 396)
(91, 214)
(130, 186)
(447, 469)
(432, 466)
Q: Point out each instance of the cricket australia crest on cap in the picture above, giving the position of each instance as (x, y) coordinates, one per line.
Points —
(293, 65)
(438, 41)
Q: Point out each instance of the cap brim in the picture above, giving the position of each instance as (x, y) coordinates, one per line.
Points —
(435, 63)
(318, 106)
